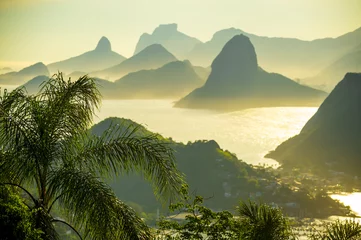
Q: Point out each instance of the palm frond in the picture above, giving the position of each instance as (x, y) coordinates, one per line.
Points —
(70, 105)
(93, 207)
(122, 150)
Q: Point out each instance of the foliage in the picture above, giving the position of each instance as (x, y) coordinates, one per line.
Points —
(45, 142)
(16, 221)
(199, 223)
(338, 230)
(255, 222)
(263, 222)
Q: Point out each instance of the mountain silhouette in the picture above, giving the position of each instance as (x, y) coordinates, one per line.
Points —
(293, 57)
(179, 44)
(99, 58)
(329, 77)
(332, 136)
(33, 86)
(236, 82)
(152, 57)
(17, 78)
(172, 80)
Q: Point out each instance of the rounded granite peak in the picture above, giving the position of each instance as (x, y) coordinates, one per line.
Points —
(104, 45)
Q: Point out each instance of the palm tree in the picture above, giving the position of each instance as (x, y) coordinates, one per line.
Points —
(263, 222)
(45, 143)
(347, 230)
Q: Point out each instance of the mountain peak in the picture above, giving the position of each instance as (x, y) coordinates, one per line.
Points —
(104, 45)
(166, 28)
(236, 62)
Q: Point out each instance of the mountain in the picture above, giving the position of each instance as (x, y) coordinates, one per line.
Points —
(152, 57)
(329, 77)
(17, 78)
(105, 87)
(222, 176)
(99, 58)
(332, 136)
(170, 81)
(179, 44)
(211, 172)
(236, 82)
(293, 57)
(33, 86)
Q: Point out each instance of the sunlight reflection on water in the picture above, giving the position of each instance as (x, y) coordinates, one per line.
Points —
(353, 200)
(250, 133)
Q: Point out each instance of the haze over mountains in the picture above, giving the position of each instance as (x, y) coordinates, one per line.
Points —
(100, 58)
(20, 77)
(293, 57)
(237, 82)
(330, 76)
(332, 136)
(178, 43)
(173, 80)
(152, 57)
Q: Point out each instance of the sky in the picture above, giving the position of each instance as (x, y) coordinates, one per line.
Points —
(53, 30)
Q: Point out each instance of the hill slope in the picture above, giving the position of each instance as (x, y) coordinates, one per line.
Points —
(332, 136)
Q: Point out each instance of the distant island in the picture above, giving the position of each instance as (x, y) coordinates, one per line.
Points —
(331, 139)
(237, 82)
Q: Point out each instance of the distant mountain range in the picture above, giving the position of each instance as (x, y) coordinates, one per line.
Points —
(20, 77)
(330, 76)
(293, 57)
(100, 58)
(173, 80)
(179, 44)
(331, 139)
(152, 57)
(237, 82)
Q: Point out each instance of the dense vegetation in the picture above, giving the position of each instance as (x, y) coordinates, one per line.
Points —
(45, 146)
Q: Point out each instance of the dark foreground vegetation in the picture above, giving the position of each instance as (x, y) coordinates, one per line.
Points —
(53, 174)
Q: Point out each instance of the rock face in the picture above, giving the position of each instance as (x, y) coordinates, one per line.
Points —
(332, 136)
(236, 82)
(152, 57)
(17, 78)
(171, 81)
(168, 35)
(293, 57)
(101, 57)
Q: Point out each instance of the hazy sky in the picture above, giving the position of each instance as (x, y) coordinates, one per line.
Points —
(52, 30)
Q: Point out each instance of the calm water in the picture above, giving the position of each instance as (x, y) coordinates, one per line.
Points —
(250, 134)
(353, 200)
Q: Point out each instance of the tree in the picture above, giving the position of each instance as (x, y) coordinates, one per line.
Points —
(263, 222)
(347, 230)
(45, 143)
(200, 222)
(16, 221)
